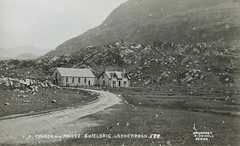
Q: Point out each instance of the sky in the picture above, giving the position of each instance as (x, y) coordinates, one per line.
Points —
(48, 23)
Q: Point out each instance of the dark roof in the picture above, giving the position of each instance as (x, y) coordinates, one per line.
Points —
(117, 74)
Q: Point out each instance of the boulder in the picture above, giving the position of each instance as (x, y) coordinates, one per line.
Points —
(6, 103)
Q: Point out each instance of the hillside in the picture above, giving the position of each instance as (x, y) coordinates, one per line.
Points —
(204, 66)
(26, 56)
(18, 50)
(5, 54)
(184, 22)
(24, 52)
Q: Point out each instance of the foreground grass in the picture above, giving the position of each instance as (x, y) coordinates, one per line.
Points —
(170, 114)
(26, 103)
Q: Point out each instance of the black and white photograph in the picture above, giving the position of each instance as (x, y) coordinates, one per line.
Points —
(119, 72)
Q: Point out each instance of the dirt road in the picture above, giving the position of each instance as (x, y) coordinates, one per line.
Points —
(39, 128)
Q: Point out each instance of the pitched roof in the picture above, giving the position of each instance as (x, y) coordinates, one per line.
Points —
(73, 72)
(117, 74)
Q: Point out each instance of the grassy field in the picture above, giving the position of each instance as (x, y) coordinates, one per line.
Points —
(42, 101)
(170, 113)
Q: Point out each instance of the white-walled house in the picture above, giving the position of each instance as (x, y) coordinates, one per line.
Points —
(114, 79)
(73, 77)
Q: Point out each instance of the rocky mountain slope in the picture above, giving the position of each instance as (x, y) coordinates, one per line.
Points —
(199, 45)
(142, 21)
(206, 66)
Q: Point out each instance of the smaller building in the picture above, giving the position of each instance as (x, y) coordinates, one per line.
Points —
(73, 77)
(114, 79)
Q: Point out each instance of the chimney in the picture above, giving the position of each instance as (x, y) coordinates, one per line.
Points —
(124, 71)
(105, 70)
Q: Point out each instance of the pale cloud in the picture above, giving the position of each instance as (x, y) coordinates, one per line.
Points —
(48, 23)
